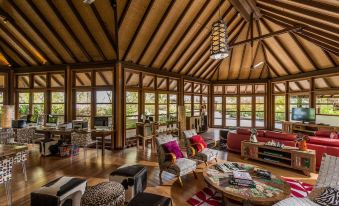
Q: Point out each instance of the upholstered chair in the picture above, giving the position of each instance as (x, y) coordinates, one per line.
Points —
(328, 177)
(206, 155)
(169, 163)
(25, 135)
(6, 166)
(83, 139)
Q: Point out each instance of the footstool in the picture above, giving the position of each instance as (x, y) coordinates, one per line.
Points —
(132, 177)
(57, 192)
(104, 194)
(149, 199)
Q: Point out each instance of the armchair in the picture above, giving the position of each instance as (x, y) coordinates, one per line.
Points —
(169, 163)
(206, 155)
(328, 177)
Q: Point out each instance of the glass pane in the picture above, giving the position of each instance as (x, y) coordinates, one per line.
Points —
(328, 105)
(132, 97)
(231, 119)
(132, 79)
(104, 96)
(197, 99)
(38, 109)
(57, 80)
(149, 98)
(173, 85)
(38, 97)
(162, 83)
(173, 108)
(104, 78)
(23, 81)
(83, 79)
(231, 89)
(279, 109)
(187, 98)
(131, 122)
(23, 97)
(260, 88)
(131, 109)
(218, 114)
(217, 89)
(188, 109)
(58, 97)
(188, 87)
(279, 87)
(1, 97)
(150, 110)
(40, 80)
(23, 110)
(259, 116)
(83, 110)
(104, 110)
(148, 81)
(58, 109)
(197, 88)
(162, 98)
(204, 89)
(83, 97)
(245, 89)
(173, 98)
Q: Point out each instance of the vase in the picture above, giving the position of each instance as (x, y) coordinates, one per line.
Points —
(303, 145)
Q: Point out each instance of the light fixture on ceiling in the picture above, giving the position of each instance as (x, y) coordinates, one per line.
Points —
(219, 46)
(88, 1)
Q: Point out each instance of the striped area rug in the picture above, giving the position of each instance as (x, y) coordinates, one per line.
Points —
(210, 197)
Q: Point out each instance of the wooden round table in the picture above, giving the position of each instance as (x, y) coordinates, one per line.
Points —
(266, 192)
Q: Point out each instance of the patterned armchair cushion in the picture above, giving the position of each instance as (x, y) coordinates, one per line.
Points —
(81, 139)
(161, 153)
(6, 166)
(25, 135)
(206, 155)
(182, 167)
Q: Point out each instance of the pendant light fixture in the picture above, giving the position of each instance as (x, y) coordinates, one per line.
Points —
(219, 47)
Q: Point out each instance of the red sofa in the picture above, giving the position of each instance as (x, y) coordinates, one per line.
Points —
(322, 141)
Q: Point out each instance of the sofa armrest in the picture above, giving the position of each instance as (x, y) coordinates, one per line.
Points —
(171, 157)
(191, 151)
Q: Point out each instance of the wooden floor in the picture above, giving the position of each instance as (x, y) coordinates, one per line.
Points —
(97, 169)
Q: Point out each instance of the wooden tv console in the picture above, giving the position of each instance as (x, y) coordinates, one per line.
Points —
(296, 127)
(290, 157)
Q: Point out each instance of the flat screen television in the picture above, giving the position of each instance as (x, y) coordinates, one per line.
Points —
(303, 114)
(101, 121)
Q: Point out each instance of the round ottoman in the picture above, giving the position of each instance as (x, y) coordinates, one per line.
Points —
(104, 194)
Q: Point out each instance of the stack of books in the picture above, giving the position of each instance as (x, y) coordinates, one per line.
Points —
(241, 179)
(263, 174)
(228, 167)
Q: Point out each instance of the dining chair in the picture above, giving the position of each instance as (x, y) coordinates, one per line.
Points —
(25, 135)
(83, 139)
(6, 166)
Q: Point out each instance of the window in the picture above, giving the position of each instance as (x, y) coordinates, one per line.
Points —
(1, 97)
(23, 104)
(260, 111)
(328, 105)
(279, 111)
(83, 105)
(132, 109)
(297, 101)
(197, 105)
(23, 81)
(173, 107)
(246, 111)
(231, 111)
(149, 107)
(38, 103)
(188, 105)
(162, 104)
(218, 111)
(40, 81)
(104, 103)
(205, 103)
(58, 105)
(83, 79)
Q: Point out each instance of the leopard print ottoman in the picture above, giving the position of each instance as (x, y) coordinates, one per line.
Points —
(104, 194)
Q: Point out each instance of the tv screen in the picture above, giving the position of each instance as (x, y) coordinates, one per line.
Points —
(101, 121)
(303, 114)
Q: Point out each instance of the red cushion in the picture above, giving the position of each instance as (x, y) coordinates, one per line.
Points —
(173, 147)
(198, 139)
(277, 135)
(261, 133)
(243, 131)
(324, 141)
(323, 133)
(334, 135)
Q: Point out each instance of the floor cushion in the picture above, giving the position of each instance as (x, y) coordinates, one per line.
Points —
(104, 194)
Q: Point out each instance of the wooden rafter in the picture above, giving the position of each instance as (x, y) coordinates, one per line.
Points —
(171, 31)
(8, 58)
(89, 77)
(104, 28)
(63, 21)
(157, 28)
(246, 8)
(37, 31)
(116, 27)
(256, 52)
(330, 58)
(229, 64)
(38, 82)
(189, 44)
(249, 28)
(103, 77)
(319, 5)
(189, 70)
(57, 80)
(186, 31)
(52, 30)
(79, 80)
(85, 28)
(136, 33)
(16, 52)
(274, 55)
(124, 13)
(280, 43)
(231, 41)
(217, 68)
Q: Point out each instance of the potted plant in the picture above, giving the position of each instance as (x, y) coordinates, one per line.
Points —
(301, 141)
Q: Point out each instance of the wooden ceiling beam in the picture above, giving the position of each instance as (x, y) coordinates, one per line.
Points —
(205, 72)
(79, 80)
(20, 45)
(124, 13)
(319, 5)
(136, 33)
(57, 80)
(52, 30)
(114, 6)
(37, 32)
(280, 43)
(246, 8)
(89, 77)
(8, 58)
(330, 58)
(320, 44)
(189, 70)
(171, 31)
(239, 81)
(271, 68)
(38, 82)
(274, 55)
(186, 31)
(104, 28)
(28, 39)
(297, 18)
(229, 64)
(15, 51)
(52, 5)
(231, 41)
(279, 90)
(211, 74)
(206, 65)
(154, 33)
(85, 28)
(244, 49)
(103, 78)
(256, 51)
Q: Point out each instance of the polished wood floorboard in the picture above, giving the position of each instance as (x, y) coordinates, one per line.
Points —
(97, 169)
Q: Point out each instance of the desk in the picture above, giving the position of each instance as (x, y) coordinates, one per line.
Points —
(48, 132)
(10, 150)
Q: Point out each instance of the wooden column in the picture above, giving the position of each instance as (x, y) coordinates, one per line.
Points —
(68, 94)
(181, 92)
(210, 106)
(10, 88)
(119, 107)
(287, 102)
(269, 106)
(312, 96)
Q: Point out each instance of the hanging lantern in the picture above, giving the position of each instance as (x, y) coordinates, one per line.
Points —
(219, 47)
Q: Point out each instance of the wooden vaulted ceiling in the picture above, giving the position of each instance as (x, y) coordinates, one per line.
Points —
(172, 35)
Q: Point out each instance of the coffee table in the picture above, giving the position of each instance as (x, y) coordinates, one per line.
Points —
(266, 192)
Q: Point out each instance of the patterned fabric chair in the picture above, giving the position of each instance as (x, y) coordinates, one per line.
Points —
(205, 155)
(6, 166)
(25, 135)
(328, 177)
(168, 162)
(84, 139)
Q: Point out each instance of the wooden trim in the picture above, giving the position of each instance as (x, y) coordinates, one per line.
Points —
(240, 81)
(316, 73)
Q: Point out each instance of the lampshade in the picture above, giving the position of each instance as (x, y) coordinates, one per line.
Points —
(219, 47)
(7, 115)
